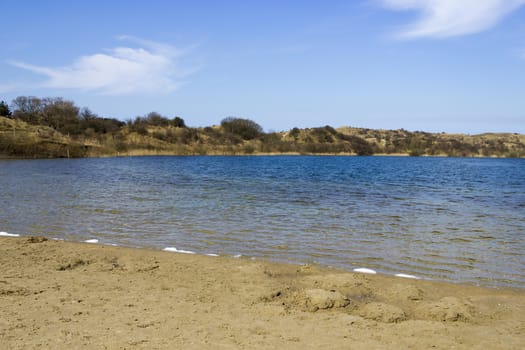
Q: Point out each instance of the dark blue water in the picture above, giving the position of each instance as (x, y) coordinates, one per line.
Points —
(452, 219)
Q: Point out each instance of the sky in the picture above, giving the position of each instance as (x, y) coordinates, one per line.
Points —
(428, 65)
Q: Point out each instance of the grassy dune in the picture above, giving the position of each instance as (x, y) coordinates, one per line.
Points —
(19, 139)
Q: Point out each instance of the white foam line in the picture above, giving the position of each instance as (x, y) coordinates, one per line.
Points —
(403, 275)
(5, 234)
(181, 251)
(175, 250)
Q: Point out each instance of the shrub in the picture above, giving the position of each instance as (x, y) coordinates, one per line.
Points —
(245, 128)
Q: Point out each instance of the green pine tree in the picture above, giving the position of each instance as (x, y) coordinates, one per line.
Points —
(4, 110)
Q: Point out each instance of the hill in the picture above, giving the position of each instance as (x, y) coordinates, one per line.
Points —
(54, 127)
(20, 139)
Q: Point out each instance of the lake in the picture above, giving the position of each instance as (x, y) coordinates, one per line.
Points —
(448, 219)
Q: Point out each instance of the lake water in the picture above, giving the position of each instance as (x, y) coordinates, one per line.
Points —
(449, 219)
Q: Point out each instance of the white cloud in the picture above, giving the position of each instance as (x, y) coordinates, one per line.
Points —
(447, 18)
(119, 71)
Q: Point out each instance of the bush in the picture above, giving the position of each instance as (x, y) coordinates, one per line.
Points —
(245, 128)
(4, 110)
(360, 146)
(178, 122)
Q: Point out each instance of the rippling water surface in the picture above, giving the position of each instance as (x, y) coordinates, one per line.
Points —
(460, 220)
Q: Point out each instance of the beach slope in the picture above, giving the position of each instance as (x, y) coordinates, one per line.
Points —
(61, 295)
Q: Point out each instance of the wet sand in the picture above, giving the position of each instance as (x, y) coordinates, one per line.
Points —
(61, 295)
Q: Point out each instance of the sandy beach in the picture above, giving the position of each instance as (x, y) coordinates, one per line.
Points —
(62, 295)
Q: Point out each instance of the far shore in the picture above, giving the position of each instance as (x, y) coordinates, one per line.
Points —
(64, 295)
(272, 154)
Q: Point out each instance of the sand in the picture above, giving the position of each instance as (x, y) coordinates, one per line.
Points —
(61, 295)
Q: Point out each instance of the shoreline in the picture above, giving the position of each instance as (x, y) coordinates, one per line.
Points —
(57, 294)
(356, 268)
(359, 269)
(284, 154)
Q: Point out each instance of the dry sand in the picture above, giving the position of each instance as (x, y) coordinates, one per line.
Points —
(59, 295)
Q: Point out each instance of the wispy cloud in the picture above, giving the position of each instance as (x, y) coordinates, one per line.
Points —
(447, 18)
(150, 68)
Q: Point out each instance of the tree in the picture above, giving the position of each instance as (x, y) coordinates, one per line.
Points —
(28, 109)
(61, 115)
(98, 125)
(178, 122)
(28, 104)
(295, 132)
(155, 119)
(4, 110)
(245, 128)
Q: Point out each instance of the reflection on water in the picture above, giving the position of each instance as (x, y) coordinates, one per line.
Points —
(442, 218)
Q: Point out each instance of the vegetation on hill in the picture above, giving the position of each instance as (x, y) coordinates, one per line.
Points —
(54, 127)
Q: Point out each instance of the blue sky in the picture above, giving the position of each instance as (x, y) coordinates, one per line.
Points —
(432, 65)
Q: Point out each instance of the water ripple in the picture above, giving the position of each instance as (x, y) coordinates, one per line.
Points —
(459, 220)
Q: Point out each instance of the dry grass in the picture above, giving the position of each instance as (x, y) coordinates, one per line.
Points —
(20, 139)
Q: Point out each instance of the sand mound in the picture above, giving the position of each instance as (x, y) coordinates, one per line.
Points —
(382, 312)
(36, 239)
(448, 309)
(310, 300)
(320, 299)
